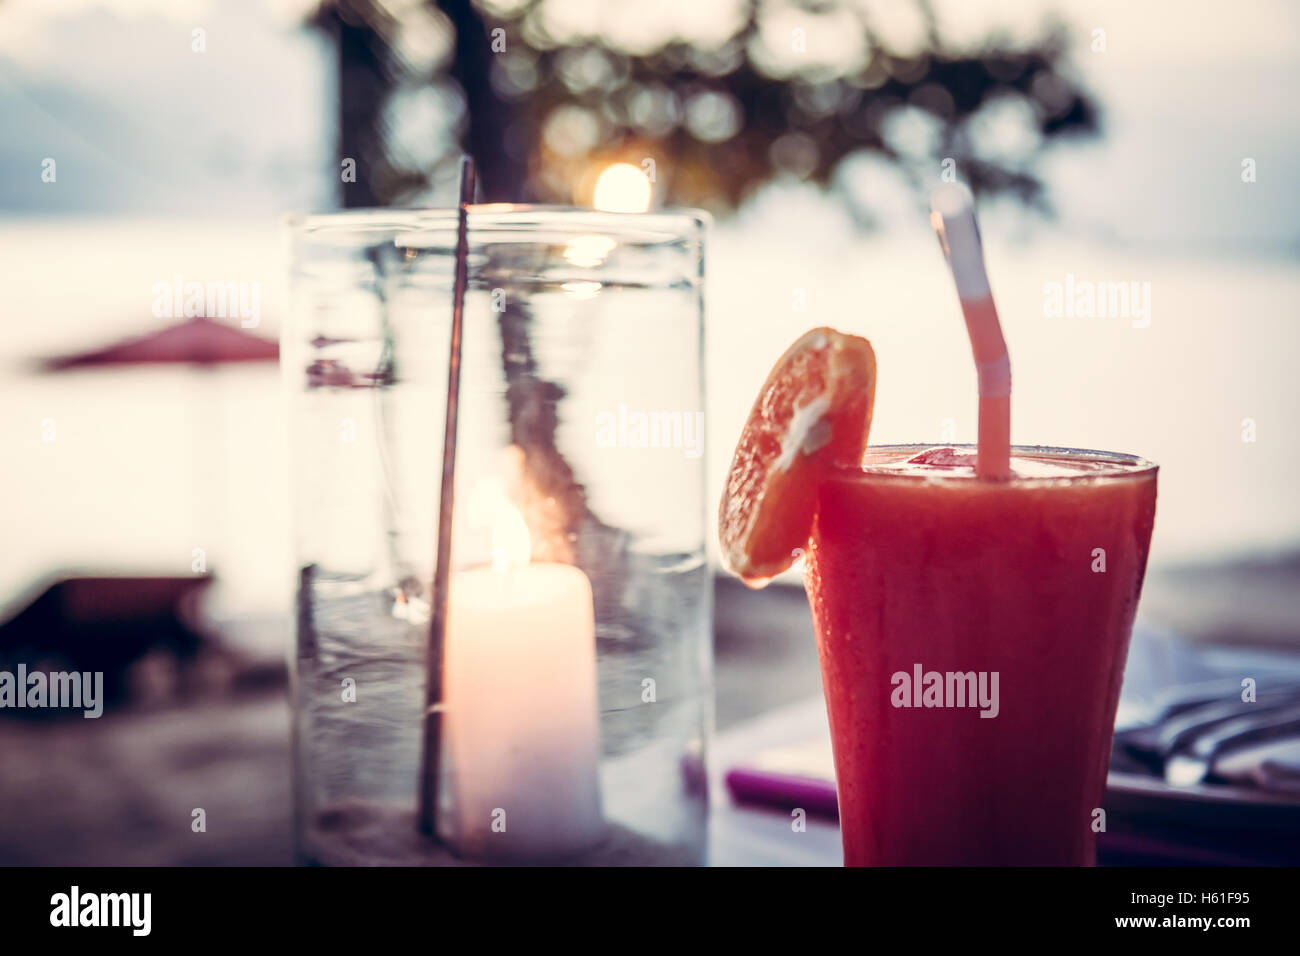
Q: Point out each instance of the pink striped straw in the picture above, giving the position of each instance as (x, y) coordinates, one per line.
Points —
(952, 213)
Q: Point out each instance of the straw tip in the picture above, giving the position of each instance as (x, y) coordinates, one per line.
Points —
(951, 200)
(468, 180)
(952, 214)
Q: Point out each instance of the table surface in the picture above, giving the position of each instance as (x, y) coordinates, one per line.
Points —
(121, 790)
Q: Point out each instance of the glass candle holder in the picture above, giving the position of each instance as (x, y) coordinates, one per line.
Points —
(577, 686)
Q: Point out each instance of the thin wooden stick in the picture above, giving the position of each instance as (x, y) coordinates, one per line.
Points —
(431, 757)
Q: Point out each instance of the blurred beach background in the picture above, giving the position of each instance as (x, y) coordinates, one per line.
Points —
(171, 162)
(176, 162)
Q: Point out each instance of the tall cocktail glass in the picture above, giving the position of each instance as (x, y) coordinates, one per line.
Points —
(972, 636)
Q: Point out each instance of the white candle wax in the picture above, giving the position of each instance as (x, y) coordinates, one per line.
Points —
(521, 722)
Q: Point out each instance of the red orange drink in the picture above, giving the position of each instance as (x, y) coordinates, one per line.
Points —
(972, 627)
(972, 636)
(972, 605)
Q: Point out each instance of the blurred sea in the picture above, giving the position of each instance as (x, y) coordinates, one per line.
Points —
(148, 464)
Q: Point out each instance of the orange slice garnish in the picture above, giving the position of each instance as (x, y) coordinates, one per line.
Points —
(813, 413)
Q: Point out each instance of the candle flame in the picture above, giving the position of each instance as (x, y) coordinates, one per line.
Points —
(511, 544)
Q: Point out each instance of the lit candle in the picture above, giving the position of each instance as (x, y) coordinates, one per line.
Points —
(520, 726)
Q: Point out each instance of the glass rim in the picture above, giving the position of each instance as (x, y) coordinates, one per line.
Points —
(659, 225)
(1126, 466)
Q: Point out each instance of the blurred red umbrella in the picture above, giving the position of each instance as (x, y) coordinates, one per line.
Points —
(196, 341)
(204, 344)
